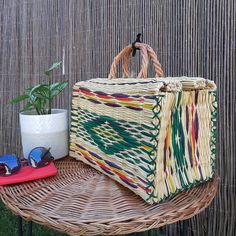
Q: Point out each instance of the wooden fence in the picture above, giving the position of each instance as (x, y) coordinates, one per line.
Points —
(191, 37)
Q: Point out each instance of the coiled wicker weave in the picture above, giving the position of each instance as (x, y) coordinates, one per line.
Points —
(82, 201)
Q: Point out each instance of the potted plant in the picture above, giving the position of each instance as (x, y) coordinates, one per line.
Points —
(40, 124)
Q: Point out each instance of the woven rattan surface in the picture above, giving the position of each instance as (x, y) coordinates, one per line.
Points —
(81, 201)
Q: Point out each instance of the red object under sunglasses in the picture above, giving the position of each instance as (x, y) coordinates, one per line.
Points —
(21, 170)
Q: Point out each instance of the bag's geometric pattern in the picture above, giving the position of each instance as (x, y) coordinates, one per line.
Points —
(155, 144)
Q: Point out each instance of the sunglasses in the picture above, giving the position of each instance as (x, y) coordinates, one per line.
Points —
(37, 158)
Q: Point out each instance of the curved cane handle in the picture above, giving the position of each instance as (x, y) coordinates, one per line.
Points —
(153, 57)
(126, 51)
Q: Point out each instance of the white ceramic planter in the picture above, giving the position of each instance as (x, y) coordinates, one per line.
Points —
(45, 130)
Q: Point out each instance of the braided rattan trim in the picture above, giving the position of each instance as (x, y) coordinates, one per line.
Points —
(81, 201)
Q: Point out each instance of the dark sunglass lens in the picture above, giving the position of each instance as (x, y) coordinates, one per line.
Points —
(9, 164)
(40, 157)
(2, 170)
(15, 170)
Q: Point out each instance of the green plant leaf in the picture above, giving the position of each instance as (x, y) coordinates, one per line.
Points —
(19, 99)
(38, 96)
(27, 90)
(56, 88)
(40, 91)
(54, 66)
(28, 107)
(38, 106)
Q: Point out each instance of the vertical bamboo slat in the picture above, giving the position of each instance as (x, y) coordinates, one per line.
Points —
(194, 38)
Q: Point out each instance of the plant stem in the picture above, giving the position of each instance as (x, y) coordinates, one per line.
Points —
(37, 110)
(49, 97)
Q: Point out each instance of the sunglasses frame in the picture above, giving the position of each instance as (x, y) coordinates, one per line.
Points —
(35, 162)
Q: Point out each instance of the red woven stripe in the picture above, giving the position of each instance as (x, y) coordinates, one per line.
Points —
(86, 92)
(124, 177)
(87, 157)
(117, 173)
(124, 99)
(103, 96)
(145, 189)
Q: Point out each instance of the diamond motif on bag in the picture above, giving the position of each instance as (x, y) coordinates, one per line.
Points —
(109, 135)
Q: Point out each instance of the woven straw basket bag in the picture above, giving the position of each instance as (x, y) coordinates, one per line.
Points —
(155, 136)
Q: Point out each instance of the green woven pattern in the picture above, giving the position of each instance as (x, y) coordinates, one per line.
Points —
(213, 130)
(131, 141)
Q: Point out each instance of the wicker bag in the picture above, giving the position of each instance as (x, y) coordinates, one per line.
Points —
(156, 136)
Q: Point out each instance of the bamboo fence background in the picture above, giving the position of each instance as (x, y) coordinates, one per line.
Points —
(191, 37)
